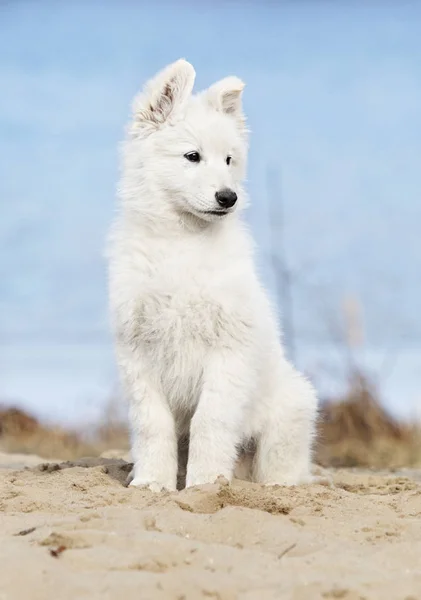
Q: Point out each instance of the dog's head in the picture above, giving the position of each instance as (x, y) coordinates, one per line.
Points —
(190, 150)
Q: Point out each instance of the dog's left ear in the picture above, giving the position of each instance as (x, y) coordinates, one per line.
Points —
(226, 96)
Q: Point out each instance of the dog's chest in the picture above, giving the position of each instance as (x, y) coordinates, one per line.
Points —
(184, 304)
(180, 319)
(185, 308)
(190, 306)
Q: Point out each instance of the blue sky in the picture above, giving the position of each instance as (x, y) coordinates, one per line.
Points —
(333, 98)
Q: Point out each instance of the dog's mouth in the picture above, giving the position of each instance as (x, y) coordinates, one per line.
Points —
(219, 213)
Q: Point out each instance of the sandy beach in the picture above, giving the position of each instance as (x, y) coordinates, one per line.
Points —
(72, 530)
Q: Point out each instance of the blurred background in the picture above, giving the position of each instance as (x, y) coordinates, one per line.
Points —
(333, 101)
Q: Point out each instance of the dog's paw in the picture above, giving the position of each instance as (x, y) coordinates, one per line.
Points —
(195, 479)
(153, 486)
(325, 480)
(322, 476)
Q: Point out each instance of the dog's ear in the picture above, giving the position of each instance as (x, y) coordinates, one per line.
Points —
(226, 96)
(163, 96)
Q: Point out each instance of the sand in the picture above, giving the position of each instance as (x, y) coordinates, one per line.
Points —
(73, 531)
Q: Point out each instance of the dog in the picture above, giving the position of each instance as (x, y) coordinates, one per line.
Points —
(197, 340)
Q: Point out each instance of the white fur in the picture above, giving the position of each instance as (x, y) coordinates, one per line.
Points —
(196, 339)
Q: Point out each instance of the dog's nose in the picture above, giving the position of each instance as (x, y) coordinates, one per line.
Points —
(226, 198)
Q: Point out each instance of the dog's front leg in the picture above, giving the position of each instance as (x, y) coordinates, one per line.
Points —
(216, 426)
(154, 442)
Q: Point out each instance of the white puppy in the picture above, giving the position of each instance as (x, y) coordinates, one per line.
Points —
(197, 342)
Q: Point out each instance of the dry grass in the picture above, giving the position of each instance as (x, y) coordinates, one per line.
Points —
(357, 431)
(19, 432)
(354, 431)
(22, 433)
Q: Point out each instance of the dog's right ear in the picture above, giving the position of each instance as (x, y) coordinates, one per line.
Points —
(163, 97)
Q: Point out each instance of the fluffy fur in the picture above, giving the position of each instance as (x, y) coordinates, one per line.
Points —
(197, 342)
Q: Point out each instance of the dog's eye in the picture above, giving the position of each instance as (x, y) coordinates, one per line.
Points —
(228, 159)
(193, 157)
